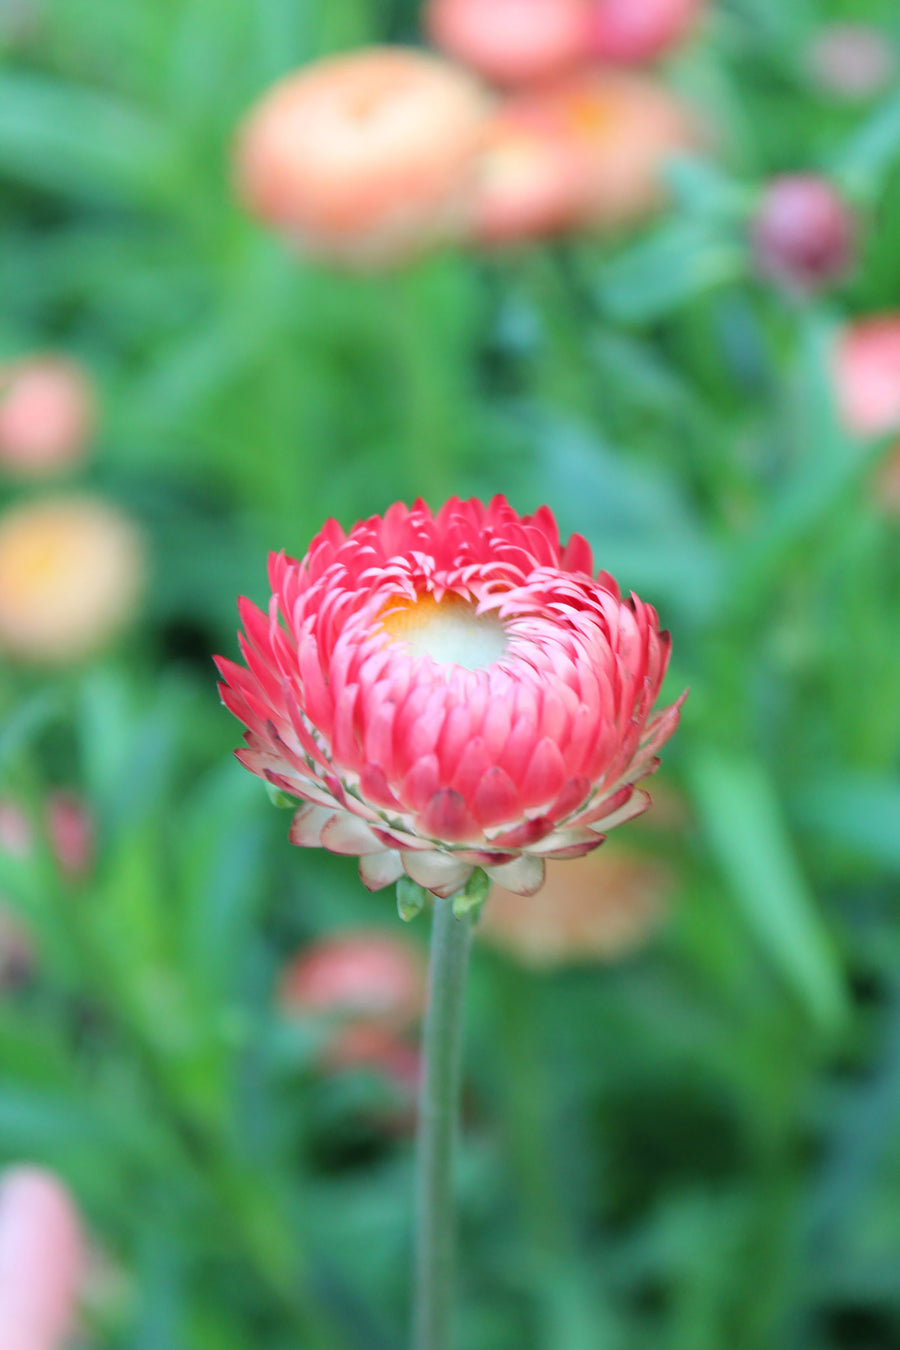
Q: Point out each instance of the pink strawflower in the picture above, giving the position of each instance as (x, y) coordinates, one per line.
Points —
(450, 691)
(366, 976)
(631, 32)
(42, 1260)
(48, 414)
(511, 41)
(867, 374)
(803, 233)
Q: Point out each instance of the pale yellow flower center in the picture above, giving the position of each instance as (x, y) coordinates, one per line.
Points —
(450, 631)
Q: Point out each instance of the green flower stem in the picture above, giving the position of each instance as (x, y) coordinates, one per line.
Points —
(437, 1128)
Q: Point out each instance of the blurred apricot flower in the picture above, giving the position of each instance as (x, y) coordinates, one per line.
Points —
(42, 1258)
(451, 691)
(363, 158)
(623, 128)
(631, 32)
(365, 976)
(70, 574)
(511, 41)
(530, 176)
(48, 413)
(598, 908)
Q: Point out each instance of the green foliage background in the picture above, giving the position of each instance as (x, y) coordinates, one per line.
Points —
(695, 1148)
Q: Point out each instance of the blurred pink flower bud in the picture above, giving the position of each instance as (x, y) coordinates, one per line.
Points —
(530, 176)
(41, 1260)
(365, 976)
(48, 414)
(867, 375)
(511, 41)
(71, 833)
(630, 32)
(364, 158)
(70, 575)
(597, 908)
(852, 60)
(803, 233)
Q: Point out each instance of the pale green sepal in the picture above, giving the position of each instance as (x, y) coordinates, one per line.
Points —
(410, 899)
(473, 895)
(279, 798)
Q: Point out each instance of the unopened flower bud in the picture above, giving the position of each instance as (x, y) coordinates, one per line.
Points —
(632, 32)
(511, 41)
(851, 60)
(803, 233)
(48, 413)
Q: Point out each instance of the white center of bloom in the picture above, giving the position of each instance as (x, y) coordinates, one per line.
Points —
(450, 631)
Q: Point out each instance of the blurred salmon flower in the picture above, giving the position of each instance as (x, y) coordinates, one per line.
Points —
(631, 32)
(530, 176)
(362, 977)
(511, 41)
(363, 158)
(70, 574)
(599, 908)
(451, 691)
(623, 128)
(42, 1259)
(803, 233)
(48, 414)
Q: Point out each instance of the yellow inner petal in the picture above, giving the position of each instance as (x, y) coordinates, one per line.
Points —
(450, 631)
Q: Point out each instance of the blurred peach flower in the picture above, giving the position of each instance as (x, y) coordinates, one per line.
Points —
(621, 128)
(630, 32)
(363, 158)
(511, 41)
(70, 573)
(367, 977)
(803, 233)
(852, 60)
(597, 908)
(48, 414)
(529, 179)
(41, 1260)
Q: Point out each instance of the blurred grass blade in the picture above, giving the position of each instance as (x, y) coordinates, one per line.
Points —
(743, 823)
(865, 161)
(27, 720)
(858, 811)
(74, 140)
(682, 261)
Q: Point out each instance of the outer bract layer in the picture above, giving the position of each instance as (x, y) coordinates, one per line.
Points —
(511, 41)
(363, 158)
(451, 691)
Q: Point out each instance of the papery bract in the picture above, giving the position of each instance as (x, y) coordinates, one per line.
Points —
(450, 691)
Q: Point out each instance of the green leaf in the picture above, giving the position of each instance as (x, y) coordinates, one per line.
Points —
(858, 811)
(679, 262)
(27, 720)
(744, 825)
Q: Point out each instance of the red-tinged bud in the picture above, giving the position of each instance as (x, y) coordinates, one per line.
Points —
(803, 233)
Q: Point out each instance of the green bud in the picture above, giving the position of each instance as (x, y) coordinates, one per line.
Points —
(473, 895)
(410, 899)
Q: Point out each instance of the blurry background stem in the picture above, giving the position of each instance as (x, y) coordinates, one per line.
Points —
(437, 1128)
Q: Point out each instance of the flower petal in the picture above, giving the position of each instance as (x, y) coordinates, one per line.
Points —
(523, 876)
(377, 870)
(438, 872)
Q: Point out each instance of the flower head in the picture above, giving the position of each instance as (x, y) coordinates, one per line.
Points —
(511, 41)
(803, 233)
(70, 573)
(42, 1260)
(599, 908)
(365, 977)
(48, 412)
(867, 374)
(630, 32)
(363, 158)
(450, 691)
